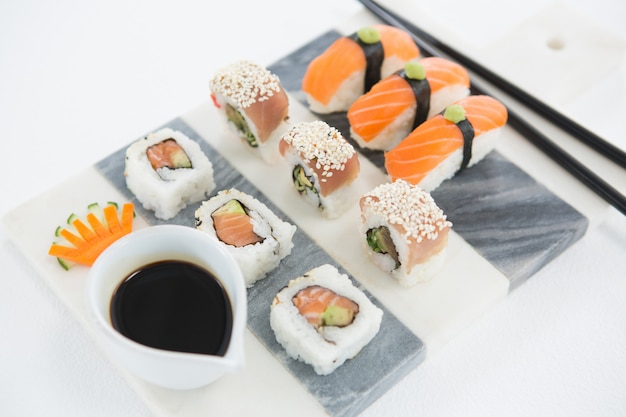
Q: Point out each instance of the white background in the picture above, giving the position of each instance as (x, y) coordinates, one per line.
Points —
(79, 80)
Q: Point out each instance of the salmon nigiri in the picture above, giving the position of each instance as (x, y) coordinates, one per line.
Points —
(446, 143)
(352, 64)
(399, 103)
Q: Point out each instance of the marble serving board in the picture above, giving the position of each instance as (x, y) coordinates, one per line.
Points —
(351, 388)
(510, 218)
(506, 226)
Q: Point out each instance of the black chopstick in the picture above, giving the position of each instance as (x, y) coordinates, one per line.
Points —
(565, 160)
(427, 42)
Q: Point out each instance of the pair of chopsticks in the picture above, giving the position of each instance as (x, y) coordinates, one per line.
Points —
(433, 47)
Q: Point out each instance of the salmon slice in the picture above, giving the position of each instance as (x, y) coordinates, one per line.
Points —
(253, 90)
(167, 154)
(267, 114)
(443, 73)
(397, 43)
(437, 138)
(344, 57)
(235, 228)
(390, 98)
(313, 302)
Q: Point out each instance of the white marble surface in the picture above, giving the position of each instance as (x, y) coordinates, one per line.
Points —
(79, 79)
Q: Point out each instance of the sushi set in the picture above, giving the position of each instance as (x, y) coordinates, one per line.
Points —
(369, 210)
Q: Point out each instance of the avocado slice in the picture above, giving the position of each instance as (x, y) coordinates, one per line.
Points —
(337, 316)
(231, 206)
(180, 159)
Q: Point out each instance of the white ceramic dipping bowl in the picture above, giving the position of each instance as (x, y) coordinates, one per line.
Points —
(170, 369)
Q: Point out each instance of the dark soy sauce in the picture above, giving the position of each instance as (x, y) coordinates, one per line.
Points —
(174, 305)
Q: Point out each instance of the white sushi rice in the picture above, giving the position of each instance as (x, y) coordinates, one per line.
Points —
(446, 96)
(329, 347)
(396, 206)
(481, 146)
(420, 273)
(256, 260)
(167, 191)
(390, 65)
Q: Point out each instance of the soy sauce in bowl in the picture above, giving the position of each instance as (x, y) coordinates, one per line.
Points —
(174, 305)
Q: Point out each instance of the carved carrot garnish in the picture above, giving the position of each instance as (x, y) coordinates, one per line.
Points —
(83, 240)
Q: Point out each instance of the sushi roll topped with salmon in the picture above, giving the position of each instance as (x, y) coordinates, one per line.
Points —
(255, 105)
(404, 231)
(324, 166)
(351, 65)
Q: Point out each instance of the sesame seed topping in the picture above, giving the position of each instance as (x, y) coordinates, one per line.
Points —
(319, 142)
(245, 83)
(409, 206)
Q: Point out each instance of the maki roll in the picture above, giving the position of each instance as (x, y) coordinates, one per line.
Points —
(352, 64)
(396, 105)
(404, 231)
(255, 105)
(458, 138)
(249, 230)
(322, 319)
(166, 171)
(324, 166)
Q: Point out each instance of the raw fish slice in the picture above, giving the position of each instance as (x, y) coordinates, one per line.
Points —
(397, 43)
(434, 151)
(235, 229)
